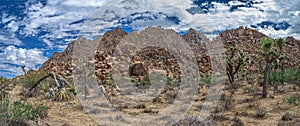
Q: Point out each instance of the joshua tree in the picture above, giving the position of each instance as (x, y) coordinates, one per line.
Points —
(233, 63)
(270, 56)
(23, 68)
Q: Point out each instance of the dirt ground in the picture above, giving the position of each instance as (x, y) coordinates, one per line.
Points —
(242, 108)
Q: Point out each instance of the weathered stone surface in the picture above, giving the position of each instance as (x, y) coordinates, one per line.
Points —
(197, 41)
(138, 69)
(248, 40)
(101, 57)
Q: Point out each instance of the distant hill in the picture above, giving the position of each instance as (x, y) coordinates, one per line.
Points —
(245, 39)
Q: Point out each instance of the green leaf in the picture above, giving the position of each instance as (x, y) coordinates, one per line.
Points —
(280, 43)
(267, 44)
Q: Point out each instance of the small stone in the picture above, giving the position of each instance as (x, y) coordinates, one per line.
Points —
(287, 117)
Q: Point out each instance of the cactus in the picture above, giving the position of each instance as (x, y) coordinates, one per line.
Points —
(270, 56)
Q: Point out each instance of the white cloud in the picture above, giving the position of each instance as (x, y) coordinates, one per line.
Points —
(269, 31)
(83, 3)
(13, 56)
(6, 18)
(49, 43)
(56, 18)
(7, 34)
(9, 70)
(13, 26)
(9, 38)
(57, 15)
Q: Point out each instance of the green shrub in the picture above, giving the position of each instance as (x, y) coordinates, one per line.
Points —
(293, 99)
(23, 109)
(2, 80)
(248, 88)
(206, 79)
(213, 79)
(111, 83)
(32, 77)
(19, 110)
(45, 87)
(289, 75)
(169, 80)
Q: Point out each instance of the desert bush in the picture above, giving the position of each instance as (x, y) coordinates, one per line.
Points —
(213, 79)
(248, 89)
(64, 94)
(14, 112)
(289, 75)
(292, 75)
(237, 122)
(287, 116)
(31, 78)
(2, 80)
(260, 112)
(293, 99)
(145, 81)
(23, 109)
(207, 79)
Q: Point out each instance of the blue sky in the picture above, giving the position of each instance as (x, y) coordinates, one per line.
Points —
(31, 31)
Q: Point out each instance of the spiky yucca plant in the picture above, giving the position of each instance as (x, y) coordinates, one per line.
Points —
(65, 94)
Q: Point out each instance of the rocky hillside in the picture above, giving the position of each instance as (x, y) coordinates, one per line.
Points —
(245, 39)
(92, 62)
(248, 40)
(63, 63)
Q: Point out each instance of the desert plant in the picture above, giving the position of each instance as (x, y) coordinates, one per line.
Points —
(23, 69)
(289, 75)
(61, 91)
(292, 75)
(248, 88)
(2, 80)
(293, 99)
(31, 78)
(207, 79)
(45, 87)
(111, 83)
(270, 56)
(64, 94)
(145, 81)
(4, 109)
(19, 110)
(169, 80)
(260, 112)
(23, 109)
(236, 60)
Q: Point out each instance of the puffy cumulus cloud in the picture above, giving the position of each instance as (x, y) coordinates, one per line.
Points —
(12, 57)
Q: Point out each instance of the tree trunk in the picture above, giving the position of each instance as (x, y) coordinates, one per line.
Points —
(232, 78)
(266, 80)
(282, 75)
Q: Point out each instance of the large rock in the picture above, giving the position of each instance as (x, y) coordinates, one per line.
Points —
(138, 69)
